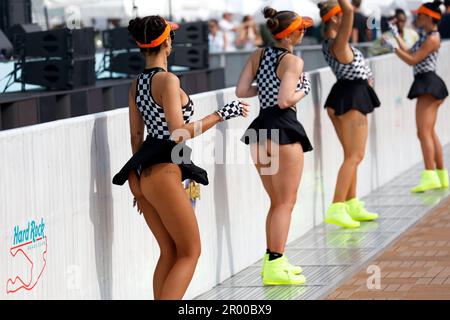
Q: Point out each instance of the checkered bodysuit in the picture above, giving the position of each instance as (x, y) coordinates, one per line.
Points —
(429, 63)
(356, 70)
(152, 113)
(267, 79)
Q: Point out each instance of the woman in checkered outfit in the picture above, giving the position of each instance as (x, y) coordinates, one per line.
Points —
(161, 162)
(349, 102)
(277, 139)
(430, 91)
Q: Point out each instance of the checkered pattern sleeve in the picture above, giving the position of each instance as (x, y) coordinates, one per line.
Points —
(231, 110)
(304, 84)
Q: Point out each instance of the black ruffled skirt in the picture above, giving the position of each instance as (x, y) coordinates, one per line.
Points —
(349, 95)
(155, 151)
(428, 83)
(279, 125)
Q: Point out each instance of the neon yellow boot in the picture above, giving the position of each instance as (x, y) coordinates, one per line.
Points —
(429, 180)
(443, 177)
(358, 212)
(337, 214)
(277, 273)
(292, 268)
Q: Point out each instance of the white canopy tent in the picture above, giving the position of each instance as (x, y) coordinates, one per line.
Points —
(190, 10)
(196, 9)
(378, 8)
(100, 10)
(305, 8)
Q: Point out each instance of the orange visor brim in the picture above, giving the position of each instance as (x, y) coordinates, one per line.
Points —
(170, 26)
(298, 24)
(428, 12)
(336, 10)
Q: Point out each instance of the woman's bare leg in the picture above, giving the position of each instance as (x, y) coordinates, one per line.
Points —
(285, 182)
(167, 247)
(354, 129)
(161, 185)
(260, 155)
(426, 114)
(351, 194)
(439, 155)
(168, 250)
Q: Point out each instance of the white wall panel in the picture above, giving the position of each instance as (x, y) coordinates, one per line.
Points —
(98, 247)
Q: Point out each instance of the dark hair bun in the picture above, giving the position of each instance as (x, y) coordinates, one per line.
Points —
(146, 29)
(322, 5)
(435, 5)
(133, 27)
(269, 13)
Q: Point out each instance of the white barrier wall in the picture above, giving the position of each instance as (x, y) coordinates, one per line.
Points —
(87, 242)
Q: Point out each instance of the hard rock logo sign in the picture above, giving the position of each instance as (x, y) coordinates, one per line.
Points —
(28, 256)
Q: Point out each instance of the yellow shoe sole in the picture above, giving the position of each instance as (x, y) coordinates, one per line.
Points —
(337, 223)
(300, 281)
(366, 219)
(422, 190)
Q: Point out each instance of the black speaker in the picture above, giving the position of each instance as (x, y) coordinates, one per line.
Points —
(195, 57)
(127, 62)
(83, 42)
(56, 43)
(6, 48)
(24, 28)
(4, 15)
(82, 72)
(14, 12)
(52, 43)
(60, 74)
(194, 33)
(21, 29)
(118, 39)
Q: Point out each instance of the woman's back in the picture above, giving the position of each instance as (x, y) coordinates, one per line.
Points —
(153, 113)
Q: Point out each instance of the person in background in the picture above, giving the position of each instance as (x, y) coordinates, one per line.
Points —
(409, 35)
(444, 26)
(217, 38)
(349, 103)
(276, 138)
(227, 25)
(161, 162)
(248, 36)
(361, 33)
(430, 91)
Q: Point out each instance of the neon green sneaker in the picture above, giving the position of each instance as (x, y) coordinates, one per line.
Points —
(337, 214)
(429, 180)
(443, 177)
(277, 273)
(357, 211)
(292, 268)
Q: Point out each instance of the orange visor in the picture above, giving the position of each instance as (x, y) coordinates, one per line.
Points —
(336, 10)
(158, 41)
(298, 24)
(428, 12)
